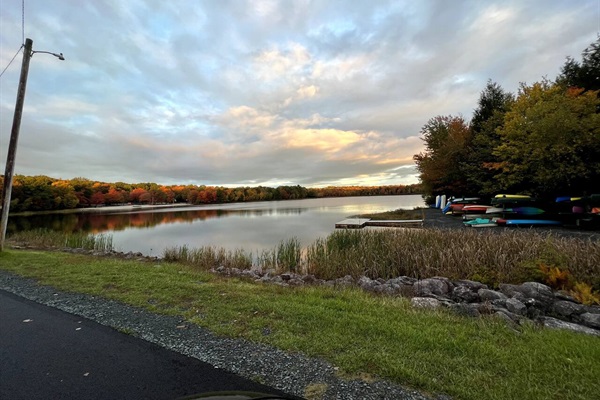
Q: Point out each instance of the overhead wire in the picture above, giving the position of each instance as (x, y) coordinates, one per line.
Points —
(13, 59)
(22, 37)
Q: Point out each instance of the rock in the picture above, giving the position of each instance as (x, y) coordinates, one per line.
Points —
(295, 282)
(346, 281)
(515, 306)
(590, 320)
(464, 294)
(384, 289)
(554, 323)
(511, 318)
(469, 310)
(472, 285)
(538, 291)
(366, 283)
(432, 286)
(425, 302)
(592, 309)
(489, 295)
(309, 279)
(511, 291)
(567, 309)
(403, 280)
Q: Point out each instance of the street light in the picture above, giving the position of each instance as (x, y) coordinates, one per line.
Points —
(59, 56)
(14, 136)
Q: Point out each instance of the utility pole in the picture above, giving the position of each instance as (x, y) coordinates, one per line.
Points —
(14, 138)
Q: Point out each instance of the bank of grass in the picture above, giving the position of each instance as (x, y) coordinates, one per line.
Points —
(399, 214)
(362, 334)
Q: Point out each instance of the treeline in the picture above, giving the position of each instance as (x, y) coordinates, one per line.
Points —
(543, 141)
(42, 193)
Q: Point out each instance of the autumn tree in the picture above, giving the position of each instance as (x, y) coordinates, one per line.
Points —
(550, 142)
(446, 139)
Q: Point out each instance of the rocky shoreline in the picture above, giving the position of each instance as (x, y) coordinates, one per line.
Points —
(516, 304)
(531, 302)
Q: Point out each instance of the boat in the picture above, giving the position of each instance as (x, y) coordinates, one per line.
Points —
(480, 223)
(531, 222)
(475, 209)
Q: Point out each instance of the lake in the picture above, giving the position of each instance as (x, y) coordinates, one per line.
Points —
(252, 226)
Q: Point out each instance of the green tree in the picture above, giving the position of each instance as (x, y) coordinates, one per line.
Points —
(550, 142)
(586, 74)
(480, 161)
(446, 139)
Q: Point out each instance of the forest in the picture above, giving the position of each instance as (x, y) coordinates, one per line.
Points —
(544, 141)
(42, 193)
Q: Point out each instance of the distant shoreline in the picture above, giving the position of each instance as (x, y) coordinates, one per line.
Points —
(106, 209)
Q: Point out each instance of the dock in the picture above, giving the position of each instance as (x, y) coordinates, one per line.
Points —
(359, 223)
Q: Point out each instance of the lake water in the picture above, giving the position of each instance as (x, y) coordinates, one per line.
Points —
(253, 226)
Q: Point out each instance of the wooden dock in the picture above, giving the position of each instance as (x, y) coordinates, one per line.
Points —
(359, 223)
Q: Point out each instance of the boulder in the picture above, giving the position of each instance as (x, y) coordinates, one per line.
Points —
(489, 295)
(425, 302)
(464, 294)
(590, 320)
(567, 309)
(554, 323)
(538, 291)
(430, 286)
(515, 306)
(466, 309)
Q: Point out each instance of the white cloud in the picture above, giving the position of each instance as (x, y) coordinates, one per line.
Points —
(257, 92)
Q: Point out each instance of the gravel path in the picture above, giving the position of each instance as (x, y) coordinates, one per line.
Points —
(290, 372)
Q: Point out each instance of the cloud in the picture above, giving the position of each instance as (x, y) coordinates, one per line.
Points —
(265, 92)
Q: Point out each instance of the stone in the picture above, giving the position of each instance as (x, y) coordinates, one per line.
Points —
(466, 309)
(567, 309)
(366, 283)
(515, 306)
(425, 302)
(384, 289)
(489, 295)
(403, 280)
(432, 286)
(346, 281)
(464, 294)
(511, 318)
(472, 285)
(286, 277)
(590, 320)
(510, 291)
(538, 291)
(555, 323)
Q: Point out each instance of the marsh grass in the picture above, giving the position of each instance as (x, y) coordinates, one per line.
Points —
(208, 257)
(45, 238)
(505, 256)
(399, 214)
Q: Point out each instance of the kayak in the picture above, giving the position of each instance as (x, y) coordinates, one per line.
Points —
(516, 222)
(480, 223)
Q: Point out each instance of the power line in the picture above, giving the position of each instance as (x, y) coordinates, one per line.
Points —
(23, 22)
(13, 59)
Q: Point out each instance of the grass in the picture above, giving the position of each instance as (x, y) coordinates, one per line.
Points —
(399, 214)
(362, 334)
(49, 238)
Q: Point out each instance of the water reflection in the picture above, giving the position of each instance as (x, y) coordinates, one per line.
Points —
(251, 226)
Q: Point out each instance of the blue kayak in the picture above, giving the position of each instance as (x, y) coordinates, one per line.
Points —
(531, 222)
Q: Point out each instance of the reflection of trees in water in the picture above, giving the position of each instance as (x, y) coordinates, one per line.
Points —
(96, 223)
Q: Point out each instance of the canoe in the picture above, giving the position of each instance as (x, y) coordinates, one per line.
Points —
(494, 210)
(475, 208)
(480, 223)
(525, 210)
(516, 222)
(512, 196)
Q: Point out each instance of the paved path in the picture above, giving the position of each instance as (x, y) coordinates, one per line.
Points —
(46, 353)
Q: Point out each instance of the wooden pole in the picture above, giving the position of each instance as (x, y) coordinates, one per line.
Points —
(14, 138)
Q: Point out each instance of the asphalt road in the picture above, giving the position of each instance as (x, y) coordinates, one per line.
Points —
(46, 353)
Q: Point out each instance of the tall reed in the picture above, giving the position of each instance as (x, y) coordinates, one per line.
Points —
(48, 238)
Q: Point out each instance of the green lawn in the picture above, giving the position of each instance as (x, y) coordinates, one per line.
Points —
(362, 334)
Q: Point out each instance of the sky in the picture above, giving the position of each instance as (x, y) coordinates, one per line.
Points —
(264, 92)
